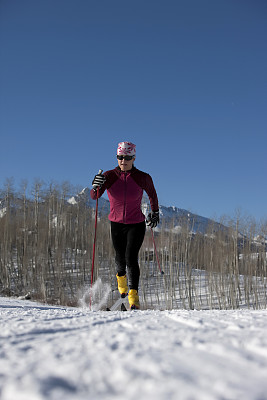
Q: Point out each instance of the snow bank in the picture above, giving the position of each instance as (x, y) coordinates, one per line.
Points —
(73, 353)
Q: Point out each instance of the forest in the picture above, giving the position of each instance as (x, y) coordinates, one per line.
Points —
(46, 248)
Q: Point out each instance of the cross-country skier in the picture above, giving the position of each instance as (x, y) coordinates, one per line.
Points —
(125, 185)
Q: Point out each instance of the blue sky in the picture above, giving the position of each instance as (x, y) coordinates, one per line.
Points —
(184, 80)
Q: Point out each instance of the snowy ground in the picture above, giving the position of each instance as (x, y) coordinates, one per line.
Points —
(73, 353)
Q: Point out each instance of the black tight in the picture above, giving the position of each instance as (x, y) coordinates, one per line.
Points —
(127, 240)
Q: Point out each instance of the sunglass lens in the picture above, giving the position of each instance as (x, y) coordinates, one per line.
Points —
(127, 158)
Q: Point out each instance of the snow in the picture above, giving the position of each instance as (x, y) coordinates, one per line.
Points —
(72, 201)
(66, 353)
(3, 211)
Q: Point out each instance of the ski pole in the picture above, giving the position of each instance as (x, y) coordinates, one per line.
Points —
(160, 270)
(94, 245)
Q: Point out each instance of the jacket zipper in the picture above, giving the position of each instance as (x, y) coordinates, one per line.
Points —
(124, 200)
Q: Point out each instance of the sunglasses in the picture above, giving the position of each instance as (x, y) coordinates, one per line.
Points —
(127, 158)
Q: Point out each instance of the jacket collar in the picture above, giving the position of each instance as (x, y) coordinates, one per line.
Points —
(119, 171)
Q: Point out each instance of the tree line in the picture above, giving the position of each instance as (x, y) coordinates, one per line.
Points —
(46, 250)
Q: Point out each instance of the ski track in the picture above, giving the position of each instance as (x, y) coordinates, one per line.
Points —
(74, 353)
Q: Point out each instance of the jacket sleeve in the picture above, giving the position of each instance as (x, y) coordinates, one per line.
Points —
(145, 181)
(151, 192)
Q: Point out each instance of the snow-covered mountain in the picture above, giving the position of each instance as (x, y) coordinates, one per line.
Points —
(170, 217)
(84, 199)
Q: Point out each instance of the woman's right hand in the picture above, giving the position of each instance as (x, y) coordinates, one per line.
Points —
(98, 181)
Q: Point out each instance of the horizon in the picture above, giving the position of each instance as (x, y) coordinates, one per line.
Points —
(74, 191)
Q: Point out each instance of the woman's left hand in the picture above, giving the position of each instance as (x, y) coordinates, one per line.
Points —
(153, 219)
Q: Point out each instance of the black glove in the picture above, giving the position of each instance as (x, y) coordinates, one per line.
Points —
(153, 219)
(98, 181)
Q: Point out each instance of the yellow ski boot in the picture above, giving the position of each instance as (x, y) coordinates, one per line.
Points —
(133, 299)
(122, 285)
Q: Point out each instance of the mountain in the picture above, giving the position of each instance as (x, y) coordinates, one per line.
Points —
(84, 199)
(170, 217)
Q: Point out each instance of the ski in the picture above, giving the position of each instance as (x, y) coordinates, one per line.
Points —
(117, 304)
(121, 303)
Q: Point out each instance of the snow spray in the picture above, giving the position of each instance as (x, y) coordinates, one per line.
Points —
(98, 294)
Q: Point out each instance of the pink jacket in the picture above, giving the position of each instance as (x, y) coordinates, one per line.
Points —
(125, 192)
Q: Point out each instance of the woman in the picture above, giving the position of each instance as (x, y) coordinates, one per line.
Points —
(125, 185)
